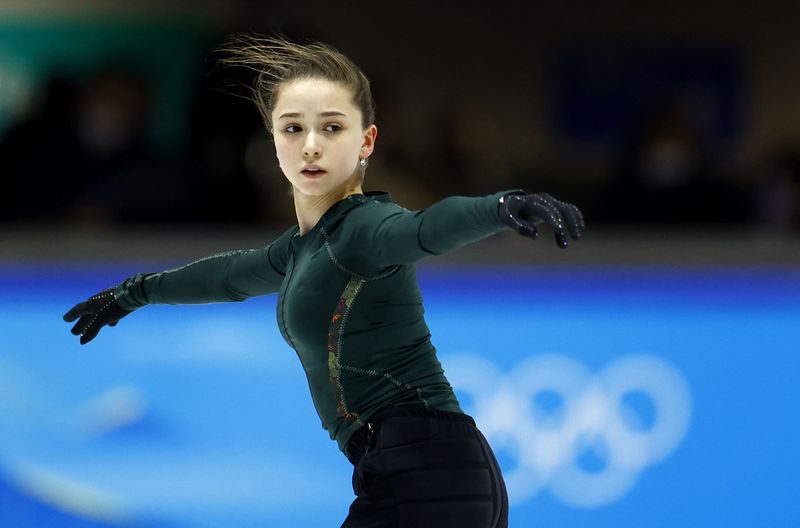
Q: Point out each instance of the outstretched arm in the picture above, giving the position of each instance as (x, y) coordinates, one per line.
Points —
(224, 277)
(398, 236)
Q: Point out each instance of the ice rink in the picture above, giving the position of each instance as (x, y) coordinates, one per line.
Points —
(613, 396)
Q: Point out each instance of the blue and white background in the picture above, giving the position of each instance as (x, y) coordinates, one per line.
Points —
(613, 396)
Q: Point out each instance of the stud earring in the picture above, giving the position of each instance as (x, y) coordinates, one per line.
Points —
(363, 162)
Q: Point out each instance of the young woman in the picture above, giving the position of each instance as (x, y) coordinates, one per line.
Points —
(348, 298)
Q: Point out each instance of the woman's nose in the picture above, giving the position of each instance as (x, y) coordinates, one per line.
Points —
(310, 148)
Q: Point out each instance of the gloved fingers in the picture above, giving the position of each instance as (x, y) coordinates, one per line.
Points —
(579, 216)
(513, 211)
(572, 215)
(76, 311)
(547, 210)
(97, 311)
(83, 323)
(90, 332)
(524, 227)
(574, 220)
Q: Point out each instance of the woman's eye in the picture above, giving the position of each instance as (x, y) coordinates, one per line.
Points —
(292, 129)
(332, 127)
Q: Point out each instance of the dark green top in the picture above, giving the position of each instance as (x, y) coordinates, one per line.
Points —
(348, 299)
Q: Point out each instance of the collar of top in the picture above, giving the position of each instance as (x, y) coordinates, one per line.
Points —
(344, 205)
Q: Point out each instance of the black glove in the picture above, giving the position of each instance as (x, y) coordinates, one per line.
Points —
(95, 312)
(521, 212)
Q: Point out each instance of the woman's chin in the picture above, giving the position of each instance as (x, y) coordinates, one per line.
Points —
(311, 190)
(316, 188)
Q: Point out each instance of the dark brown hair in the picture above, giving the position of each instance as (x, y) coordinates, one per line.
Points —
(277, 61)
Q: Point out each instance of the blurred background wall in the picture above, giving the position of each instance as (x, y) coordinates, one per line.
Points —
(114, 113)
(674, 126)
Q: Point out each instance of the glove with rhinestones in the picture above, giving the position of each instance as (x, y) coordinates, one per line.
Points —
(95, 312)
(522, 212)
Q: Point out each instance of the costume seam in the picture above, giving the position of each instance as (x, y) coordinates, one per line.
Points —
(341, 267)
(388, 376)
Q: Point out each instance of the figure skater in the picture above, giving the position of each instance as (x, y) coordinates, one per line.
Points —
(348, 299)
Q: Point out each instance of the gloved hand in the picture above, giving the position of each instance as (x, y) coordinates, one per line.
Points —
(521, 212)
(95, 312)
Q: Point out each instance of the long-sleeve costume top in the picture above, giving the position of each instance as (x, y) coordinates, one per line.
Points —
(348, 299)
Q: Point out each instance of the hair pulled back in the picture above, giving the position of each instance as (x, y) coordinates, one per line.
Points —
(277, 61)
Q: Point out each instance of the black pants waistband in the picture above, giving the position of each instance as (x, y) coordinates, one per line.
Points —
(361, 441)
(419, 410)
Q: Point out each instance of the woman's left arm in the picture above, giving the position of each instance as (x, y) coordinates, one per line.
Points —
(398, 236)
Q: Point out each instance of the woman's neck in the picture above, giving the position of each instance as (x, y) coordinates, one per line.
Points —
(309, 209)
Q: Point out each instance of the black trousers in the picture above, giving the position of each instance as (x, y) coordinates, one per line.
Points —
(417, 467)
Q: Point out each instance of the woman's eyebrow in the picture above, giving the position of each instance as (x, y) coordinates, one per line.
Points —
(330, 113)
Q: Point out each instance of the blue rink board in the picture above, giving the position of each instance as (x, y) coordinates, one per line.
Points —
(614, 397)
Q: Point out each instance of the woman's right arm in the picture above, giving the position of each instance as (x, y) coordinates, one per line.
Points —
(224, 277)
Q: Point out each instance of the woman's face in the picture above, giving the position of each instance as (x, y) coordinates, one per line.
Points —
(318, 136)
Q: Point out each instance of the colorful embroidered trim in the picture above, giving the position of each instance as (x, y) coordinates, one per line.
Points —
(335, 333)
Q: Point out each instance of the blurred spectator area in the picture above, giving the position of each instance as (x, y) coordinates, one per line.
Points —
(660, 115)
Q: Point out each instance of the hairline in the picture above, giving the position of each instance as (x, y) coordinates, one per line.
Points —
(278, 89)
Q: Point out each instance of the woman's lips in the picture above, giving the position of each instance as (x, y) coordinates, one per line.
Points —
(312, 173)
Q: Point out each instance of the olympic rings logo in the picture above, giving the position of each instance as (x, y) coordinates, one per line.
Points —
(579, 435)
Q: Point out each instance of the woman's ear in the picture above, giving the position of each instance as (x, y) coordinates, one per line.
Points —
(368, 145)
